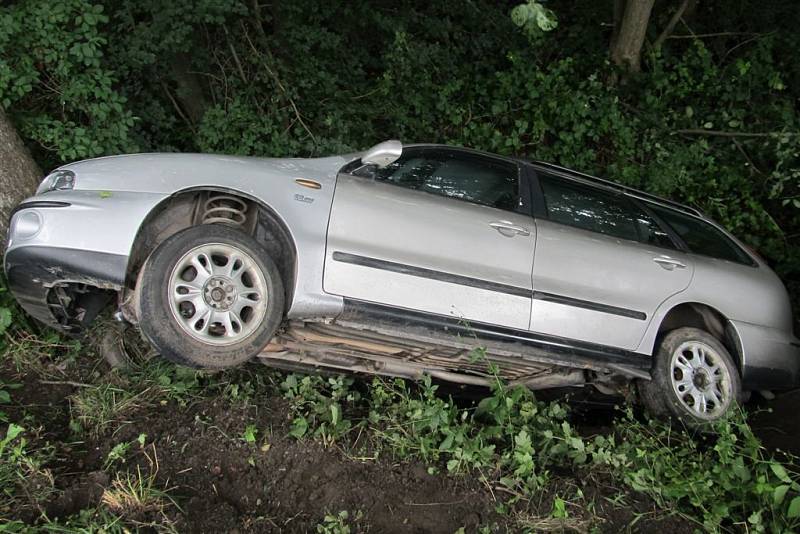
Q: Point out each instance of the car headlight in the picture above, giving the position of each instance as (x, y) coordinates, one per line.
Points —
(57, 181)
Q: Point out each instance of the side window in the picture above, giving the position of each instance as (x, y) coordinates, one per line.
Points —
(456, 174)
(600, 211)
(701, 237)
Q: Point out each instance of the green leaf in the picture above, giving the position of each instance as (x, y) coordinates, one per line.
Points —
(299, 427)
(335, 414)
(5, 319)
(534, 18)
(12, 432)
(250, 433)
(780, 472)
(447, 444)
(794, 508)
(486, 405)
(559, 508)
(779, 494)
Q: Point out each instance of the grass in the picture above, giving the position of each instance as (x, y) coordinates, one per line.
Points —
(135, 496)
(95, 409)
(721, 481)
(511, 441)
(24, 482)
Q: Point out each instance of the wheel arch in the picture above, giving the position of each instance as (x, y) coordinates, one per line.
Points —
(182, 209)
(704, 317)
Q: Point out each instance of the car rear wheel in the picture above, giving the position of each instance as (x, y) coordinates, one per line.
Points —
(210, 297)
(694, 378)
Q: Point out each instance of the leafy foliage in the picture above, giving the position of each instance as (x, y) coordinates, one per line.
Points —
(83, 78)
(721, 480)
(22, 467)
(318, 405)
(534, 18)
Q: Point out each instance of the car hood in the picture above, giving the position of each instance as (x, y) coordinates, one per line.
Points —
(165, 172)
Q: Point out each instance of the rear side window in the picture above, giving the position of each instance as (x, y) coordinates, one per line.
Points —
(596, 210)
(456, 174)
(701, 237)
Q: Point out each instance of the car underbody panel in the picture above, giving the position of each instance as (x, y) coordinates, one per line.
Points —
(414, 351)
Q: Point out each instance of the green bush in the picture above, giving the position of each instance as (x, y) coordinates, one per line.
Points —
(83, 78)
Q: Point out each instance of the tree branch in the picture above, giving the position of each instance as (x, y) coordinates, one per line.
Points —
(65, 383)
(673, 21)
(177, 107)
(746, 156)
(280, 85)
(717, 34)
(722, 133)
(235, 55)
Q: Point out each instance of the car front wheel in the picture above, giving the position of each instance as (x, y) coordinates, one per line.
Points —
(694, 378)
(210, 297)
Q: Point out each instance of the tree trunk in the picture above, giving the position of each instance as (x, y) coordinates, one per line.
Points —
(19, 174)
(628, 37)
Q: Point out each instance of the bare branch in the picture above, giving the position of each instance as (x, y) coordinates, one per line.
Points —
(717, 34)
(177, 107)
(673, 21)
(722, 133)
(66, 383)
(746, 156)
(280, 85)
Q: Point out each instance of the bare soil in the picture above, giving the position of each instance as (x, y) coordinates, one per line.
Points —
(221, 483)
(777, 422)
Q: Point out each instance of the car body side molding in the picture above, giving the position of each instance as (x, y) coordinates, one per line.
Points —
(401, 268)
(589, 305)
(429, 273)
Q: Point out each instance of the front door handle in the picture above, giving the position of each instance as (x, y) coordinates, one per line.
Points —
(668, 263)
(509, 229)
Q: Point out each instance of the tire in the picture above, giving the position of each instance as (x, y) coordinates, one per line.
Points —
(694, 379)
(203, 313)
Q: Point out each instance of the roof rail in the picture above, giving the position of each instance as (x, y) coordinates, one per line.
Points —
(569, 173)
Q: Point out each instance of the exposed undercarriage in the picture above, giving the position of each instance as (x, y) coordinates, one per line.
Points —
(367, 348)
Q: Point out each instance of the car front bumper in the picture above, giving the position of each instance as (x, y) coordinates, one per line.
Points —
(69, 239)
(33, 271)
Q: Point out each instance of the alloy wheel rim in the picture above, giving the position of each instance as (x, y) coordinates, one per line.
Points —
(217, 294)
(700, 379)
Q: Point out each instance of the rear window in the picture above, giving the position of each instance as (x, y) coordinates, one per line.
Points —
(596, 210)
(701, 237)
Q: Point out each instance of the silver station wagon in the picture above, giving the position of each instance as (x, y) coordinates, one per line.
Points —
(400, 261)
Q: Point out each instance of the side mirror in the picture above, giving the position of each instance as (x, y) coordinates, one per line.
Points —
(383, 154)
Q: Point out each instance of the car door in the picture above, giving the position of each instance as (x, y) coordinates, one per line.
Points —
(440, 230)
(603, 264)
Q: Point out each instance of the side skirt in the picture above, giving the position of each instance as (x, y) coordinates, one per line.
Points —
(382, 340)
(522, 343)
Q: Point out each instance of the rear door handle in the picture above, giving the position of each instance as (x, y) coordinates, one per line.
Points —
(509, 229)
(669, 263)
